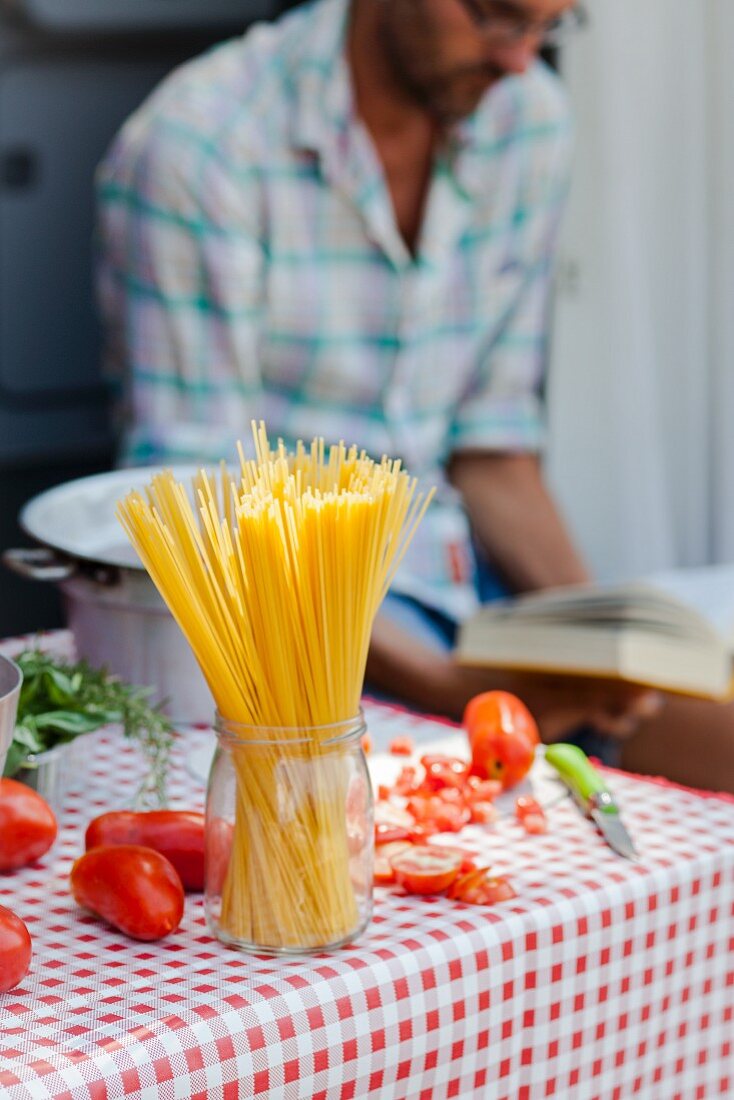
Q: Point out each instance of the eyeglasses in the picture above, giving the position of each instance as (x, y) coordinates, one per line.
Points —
(504, 23)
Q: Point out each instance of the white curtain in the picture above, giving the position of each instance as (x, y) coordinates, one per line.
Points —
(642, 376)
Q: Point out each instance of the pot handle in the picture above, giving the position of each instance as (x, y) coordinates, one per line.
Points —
(38, 565)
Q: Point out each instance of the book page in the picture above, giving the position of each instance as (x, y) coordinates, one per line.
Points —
(709, 589)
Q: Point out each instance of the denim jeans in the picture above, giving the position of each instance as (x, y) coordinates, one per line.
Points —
(438, 632)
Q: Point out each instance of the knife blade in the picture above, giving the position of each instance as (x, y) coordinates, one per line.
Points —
(592, 795)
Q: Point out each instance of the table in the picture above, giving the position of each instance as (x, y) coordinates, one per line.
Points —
(602, 979)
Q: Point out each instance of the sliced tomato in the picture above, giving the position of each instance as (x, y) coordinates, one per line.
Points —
(386, 834)
(525, 805)
(446, 816)
(468, 858)
(479, 888)
(402, 746)
(425, 870)
(384, 874)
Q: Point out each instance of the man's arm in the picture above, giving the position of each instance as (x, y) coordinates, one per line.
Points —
(522, 532)
(516, 521)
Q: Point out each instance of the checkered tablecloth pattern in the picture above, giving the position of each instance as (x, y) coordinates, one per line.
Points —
(602, 980)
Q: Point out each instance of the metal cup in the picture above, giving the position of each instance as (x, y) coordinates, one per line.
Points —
(11, 679)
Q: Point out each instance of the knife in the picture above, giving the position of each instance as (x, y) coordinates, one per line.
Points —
(591, 794)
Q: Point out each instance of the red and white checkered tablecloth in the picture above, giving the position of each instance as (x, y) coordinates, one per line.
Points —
(602, 980)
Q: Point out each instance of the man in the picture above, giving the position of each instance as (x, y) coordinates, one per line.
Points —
(344, 223)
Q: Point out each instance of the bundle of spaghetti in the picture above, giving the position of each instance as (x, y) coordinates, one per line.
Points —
(275, 575)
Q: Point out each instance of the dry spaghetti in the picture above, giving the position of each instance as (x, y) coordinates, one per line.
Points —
(275, 577)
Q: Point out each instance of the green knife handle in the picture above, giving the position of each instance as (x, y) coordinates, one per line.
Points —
(575, 768)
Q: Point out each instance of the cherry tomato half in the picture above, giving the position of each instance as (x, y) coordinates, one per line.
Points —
(425, 870)
(176, 834)
(15, 950)
(136, 889)
(27, 825)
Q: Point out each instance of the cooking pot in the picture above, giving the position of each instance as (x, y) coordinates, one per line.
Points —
(113, 609)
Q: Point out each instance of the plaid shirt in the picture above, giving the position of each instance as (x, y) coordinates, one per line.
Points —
(251, 267)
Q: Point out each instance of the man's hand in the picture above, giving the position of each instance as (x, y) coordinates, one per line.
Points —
(432, 681)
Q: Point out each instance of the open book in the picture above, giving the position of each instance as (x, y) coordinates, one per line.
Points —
(672, 630)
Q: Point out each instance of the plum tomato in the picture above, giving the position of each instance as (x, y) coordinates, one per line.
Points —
(425, 870)
(15, 950)
(27, 825)
(503, 736)
(176, 834)
(135, 889)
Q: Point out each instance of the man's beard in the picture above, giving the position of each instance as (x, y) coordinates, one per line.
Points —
(447, 96)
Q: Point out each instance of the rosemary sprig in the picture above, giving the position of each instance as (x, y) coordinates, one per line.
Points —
(61, 700)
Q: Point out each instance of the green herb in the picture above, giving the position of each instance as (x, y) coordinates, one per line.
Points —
(60, 701)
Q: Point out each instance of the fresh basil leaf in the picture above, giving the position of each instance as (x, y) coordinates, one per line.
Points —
(29, 739)
(68, 721)
(17, 753)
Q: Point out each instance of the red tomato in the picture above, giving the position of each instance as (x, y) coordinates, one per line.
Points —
(27, 825)
(15, 950)
(503, 735)
(402, 746)
(445, 816)
(384, 874)
(425, 870)
(136, 889)
(176, 834)
(477, 888)
(407, 781)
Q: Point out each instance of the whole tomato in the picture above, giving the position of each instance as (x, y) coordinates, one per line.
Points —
(27, 825)
(15, 950)
(503, 736)
(136, 889)
(176, 834)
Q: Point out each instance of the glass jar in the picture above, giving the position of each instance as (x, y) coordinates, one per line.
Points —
(289, 837)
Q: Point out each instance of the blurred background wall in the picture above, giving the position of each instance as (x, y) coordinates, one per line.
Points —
(642, 385)
(71, 71)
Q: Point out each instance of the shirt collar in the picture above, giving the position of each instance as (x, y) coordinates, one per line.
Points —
(322, 87)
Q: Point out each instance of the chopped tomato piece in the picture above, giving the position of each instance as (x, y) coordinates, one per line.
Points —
(535, 824)
(425, 870)
(421, 833)
(525, 805)
(388, 814)
(477, 888)
(444, 771)
(366, 744)
(482, 790)
(482, 813)
(383, 873)
(383, 792)
(407, 781)
(446, 816)
(402, 746)
(386, 834)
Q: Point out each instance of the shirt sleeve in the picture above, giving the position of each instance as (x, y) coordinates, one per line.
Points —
(503, 408)
(180, 289)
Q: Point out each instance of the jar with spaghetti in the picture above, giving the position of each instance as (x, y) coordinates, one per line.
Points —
(289, 837)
